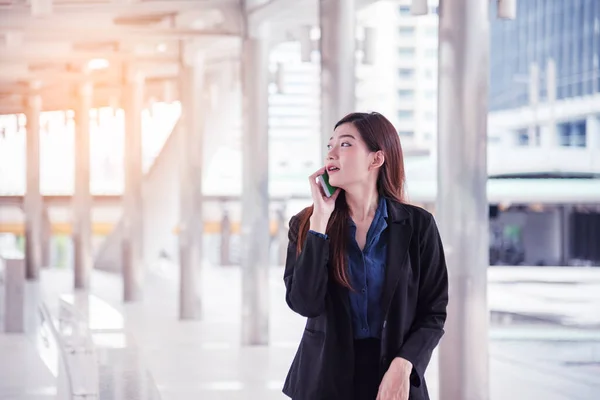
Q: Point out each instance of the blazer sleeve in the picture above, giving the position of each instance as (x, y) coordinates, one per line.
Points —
(428, 326)
(306, 274)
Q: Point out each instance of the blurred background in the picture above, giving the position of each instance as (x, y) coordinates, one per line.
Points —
(153, 151)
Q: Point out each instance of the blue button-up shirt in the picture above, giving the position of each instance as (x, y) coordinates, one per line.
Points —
(366, 270)
(367, 273)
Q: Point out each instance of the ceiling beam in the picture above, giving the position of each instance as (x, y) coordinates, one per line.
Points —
(95, 33)
(54, 99)
(273, 10)
(65, 82)
(29, 56)
(115, 7)
(58, 77)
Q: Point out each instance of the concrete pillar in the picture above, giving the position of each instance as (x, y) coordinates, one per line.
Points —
(14, 294)
(133, 273)
(565, 212)
(46, 238)
(462, 205)
(337, 45)
(592, 130)
(255, 188)
(534, 91)
(191, 220)
(550, 138)
(225, 238)
(34, 212)
(282, 234)
(82, 200)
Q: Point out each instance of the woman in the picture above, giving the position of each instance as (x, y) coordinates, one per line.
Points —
(368, 271)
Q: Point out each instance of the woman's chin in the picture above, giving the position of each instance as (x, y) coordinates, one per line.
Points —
(336, 184)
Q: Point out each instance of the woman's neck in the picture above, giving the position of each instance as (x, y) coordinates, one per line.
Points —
(362, 202)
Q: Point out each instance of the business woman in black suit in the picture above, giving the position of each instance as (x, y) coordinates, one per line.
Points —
(368, 271)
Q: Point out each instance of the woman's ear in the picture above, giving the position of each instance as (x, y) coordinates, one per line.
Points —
(378, 160)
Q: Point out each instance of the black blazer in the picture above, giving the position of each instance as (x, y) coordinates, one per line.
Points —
(414, 300)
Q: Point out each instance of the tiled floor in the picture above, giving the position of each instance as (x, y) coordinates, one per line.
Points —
(204, 359)
(23, 375)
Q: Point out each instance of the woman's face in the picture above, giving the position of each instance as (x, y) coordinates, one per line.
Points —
(349, 161)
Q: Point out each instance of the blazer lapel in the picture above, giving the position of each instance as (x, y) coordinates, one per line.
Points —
(400, 232)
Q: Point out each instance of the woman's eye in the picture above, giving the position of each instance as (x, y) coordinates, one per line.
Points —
(345, 144)
(329, 147)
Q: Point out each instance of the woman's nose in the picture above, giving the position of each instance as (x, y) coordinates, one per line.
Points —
(331, 153)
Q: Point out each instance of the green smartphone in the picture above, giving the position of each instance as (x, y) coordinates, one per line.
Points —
(327, 188)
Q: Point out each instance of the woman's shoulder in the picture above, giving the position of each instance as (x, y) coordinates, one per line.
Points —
(301, 214)
(295, 220)
(416, 214)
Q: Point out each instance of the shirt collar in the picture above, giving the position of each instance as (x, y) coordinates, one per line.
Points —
(382, 207)
(381, 212)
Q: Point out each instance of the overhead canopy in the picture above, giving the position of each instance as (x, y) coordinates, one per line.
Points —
(49, 46)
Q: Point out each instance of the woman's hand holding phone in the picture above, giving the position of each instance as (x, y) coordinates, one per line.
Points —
(323, 205)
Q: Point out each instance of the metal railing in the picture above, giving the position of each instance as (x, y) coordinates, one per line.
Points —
(77, 363)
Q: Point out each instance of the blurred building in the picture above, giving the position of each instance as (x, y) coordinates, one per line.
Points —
(545, 86)
(401, 83)
(544, 123)
(543, 127)
(396, 73)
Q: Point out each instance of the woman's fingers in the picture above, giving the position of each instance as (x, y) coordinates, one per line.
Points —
(318, 172)
(315, 187)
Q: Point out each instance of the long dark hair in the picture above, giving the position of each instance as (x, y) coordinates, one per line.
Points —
(379, 134)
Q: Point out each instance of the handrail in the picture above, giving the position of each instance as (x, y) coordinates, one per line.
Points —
(46, 322)
(77, 357)
(81, 366)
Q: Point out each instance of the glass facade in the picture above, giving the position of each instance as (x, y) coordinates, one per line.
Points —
(566, 31)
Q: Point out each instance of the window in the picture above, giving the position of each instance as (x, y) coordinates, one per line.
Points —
(404, 10)
(522, 137)
(431, 53)
(406, 73)
(564, 134)
(406, 94)
(429, 73)
(578, 135)
(538, 136)
(432, 32)
(406, 30)
(430, 95)
(405, 114)
(572, 134)
(406, 52)
(429, 116)
(406, 133)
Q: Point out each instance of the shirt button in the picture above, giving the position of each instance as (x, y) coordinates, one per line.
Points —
(364, 290)
(364, 329)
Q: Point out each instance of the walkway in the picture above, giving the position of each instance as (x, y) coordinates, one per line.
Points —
(204, 360)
